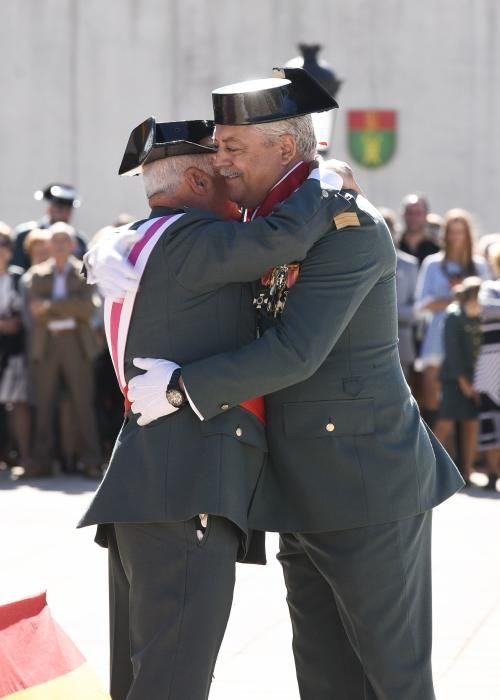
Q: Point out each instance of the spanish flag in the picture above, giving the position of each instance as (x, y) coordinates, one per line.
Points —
(38, 661)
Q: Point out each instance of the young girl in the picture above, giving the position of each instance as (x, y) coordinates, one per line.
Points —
(459, 399)
(437, 277)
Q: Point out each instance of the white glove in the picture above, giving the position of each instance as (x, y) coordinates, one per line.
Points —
(328, 171)
(329, 179)
(107, 264)
(146, 392)
(114, 276)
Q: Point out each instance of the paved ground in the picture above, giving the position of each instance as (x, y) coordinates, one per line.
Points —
(42, 550)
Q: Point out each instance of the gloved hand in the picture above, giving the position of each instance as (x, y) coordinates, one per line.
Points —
(329, 178)
(114, 276)
(330, 168)
(107, 264)
(146, 392)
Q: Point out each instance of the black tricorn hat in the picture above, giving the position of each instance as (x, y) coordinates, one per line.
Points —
(291, 93)
(151, 141)
(65, 195)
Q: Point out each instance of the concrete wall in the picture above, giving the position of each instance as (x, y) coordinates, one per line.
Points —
(77, 75)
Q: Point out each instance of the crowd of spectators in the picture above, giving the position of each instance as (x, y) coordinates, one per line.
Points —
(60, 406)
(448, 291)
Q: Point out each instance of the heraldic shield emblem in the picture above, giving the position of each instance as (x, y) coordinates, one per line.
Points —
(372, 136)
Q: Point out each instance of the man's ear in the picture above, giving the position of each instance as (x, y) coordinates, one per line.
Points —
(198, 180)
(288, 148)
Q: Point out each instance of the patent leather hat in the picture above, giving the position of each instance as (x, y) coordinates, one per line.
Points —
(151, 141)
(64, 195)
(292, 92)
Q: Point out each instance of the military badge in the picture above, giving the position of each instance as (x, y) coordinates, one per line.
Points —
(372, 136)
(346, 219)
(275, 286)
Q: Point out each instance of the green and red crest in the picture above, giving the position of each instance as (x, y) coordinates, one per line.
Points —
(372, 136)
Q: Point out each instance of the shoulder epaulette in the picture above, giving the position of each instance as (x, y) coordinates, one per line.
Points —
(359, 213)
(347, 218)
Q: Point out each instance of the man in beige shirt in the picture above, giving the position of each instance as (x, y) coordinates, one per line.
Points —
(63, 346)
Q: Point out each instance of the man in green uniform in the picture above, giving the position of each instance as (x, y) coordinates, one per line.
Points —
(171, 564)
(354, 472)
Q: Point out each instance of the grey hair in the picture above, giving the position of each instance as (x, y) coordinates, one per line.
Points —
(165, 175)
(301, 128)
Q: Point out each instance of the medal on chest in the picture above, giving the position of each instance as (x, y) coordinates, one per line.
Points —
(274, 288)
(271, 297)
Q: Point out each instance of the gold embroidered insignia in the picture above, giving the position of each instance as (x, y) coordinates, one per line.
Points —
(346, 219)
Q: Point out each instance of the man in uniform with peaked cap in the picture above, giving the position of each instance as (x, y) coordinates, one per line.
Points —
(173, 504)
(61, 201)
(354, 472)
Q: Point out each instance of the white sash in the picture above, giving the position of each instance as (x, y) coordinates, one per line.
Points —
(117, 313)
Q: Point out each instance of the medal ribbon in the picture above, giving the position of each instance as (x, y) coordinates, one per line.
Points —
(281, 191)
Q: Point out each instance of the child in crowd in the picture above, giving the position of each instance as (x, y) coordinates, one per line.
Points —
(459, 399)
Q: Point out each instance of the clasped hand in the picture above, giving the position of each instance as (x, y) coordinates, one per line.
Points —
(147, 392)
(330, 170)
(107, 265)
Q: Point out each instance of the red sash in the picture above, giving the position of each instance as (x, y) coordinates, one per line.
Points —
(283, 189)
(257, 407)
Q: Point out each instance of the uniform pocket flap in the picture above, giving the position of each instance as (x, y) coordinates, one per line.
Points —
(318, 419)
(239, 424)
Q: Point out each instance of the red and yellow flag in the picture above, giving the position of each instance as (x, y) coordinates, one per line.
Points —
(38, 661)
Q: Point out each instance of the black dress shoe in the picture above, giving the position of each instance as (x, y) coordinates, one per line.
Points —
(492, 482)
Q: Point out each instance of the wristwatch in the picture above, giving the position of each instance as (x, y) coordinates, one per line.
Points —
(175, 396)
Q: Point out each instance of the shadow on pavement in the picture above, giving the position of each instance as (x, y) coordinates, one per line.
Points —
(480, 492)
(74, 484)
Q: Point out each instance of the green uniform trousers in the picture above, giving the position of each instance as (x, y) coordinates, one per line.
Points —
(170, 599)
(361, 611)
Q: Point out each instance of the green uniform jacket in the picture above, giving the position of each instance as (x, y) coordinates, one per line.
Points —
(347, 445)
(193, 302)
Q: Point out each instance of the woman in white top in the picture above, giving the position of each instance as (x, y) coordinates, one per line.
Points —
(438, 274)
